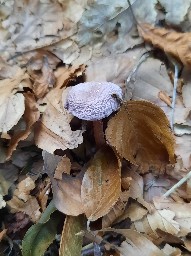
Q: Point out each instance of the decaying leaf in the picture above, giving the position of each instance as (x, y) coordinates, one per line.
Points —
(31, 115)
(181, 211)
(115, 212)
(71, 243)
(136, 187)
(64, 166)
(173, 43)
(23, 201)
(144, 130)
(54, 131)
(11, 103)
(135, 212)
(101, 185)
(159, 219)
(137, 244)
(66, 192)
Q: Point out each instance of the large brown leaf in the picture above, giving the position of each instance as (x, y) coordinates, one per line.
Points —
(173, 43)
(140, 133)
(101, 185)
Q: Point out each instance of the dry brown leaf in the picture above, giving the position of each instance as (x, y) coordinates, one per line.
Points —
(115, 212)
(54, 131)
(181, 210)
(66, 192)
(31, 115)
(136, 187)
(159, 219)
(144, 130)
(22, 201)
(64, 166)
(101, 185)
(137, 244)
(40, 67)
(135, 212)
(173, 43)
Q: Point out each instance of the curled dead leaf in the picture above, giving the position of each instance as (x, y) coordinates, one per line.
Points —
(140, 133)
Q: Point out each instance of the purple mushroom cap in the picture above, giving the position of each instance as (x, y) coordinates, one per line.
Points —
(93, 101)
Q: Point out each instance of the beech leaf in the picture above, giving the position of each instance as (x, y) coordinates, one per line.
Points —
(101, 184)
(144, 130)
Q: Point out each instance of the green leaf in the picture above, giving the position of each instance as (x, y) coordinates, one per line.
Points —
(71, 244)
(39, 236)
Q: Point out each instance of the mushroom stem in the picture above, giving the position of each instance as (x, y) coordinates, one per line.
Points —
(98, 133)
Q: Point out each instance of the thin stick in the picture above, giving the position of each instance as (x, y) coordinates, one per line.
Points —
(131, 9)
(176, 69)
(177, 185)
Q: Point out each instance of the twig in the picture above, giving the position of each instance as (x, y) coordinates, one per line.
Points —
(177, 185)
(176, 70)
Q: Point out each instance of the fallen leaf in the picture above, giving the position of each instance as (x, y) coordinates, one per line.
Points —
(174, 12)
(171, 42)
(66, 192)
(144, 130)
(31, 115)
(23, 201)
(19, 222)
(115, 212)
(134, 212)
(35, 25)
(11, 102)
(64, 166)
(54, 131)
(136, 188)
(40, 67)
(159, 219)
(101, 184)
(71, 243)
(137, 244)
(41, 234)
(182, 213)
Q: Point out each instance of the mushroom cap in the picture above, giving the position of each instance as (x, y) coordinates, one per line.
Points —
(93, 100)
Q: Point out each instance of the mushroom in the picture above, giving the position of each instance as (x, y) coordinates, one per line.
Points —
(93, 101)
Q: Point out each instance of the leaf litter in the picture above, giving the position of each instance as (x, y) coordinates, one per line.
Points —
(131, 195)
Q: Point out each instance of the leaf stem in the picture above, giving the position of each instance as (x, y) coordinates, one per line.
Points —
(177, 185)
